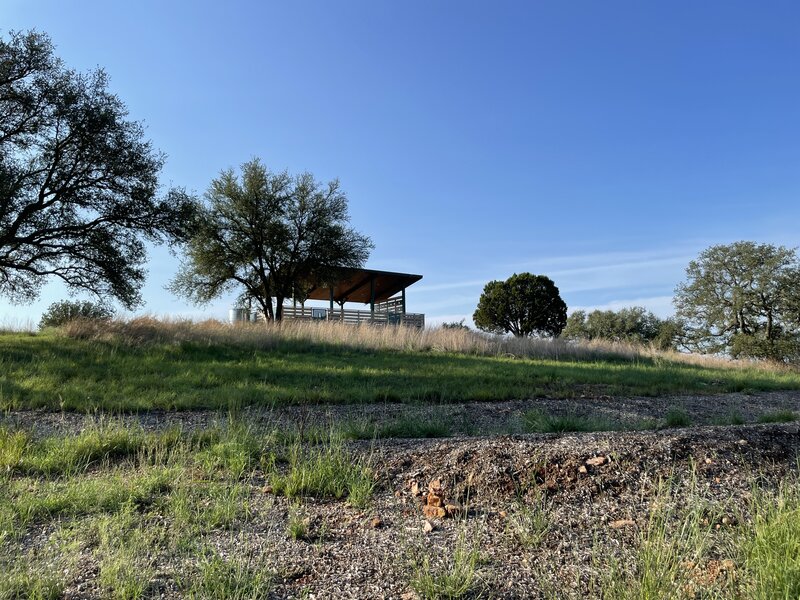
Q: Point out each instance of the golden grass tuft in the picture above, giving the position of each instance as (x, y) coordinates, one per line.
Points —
(146, 330)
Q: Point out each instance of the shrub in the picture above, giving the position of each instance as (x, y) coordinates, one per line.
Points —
(60, 313)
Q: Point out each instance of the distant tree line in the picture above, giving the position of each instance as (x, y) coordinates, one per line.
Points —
(80, 197)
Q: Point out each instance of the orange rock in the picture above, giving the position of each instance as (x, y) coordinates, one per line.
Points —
(434, 512)
(582, 470)
(452, 509)
(597, 461)
(436, 486)
(376, 522)
(623, 523)
(435, 500)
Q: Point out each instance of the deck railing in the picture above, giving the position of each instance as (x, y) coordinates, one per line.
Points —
(354, 317)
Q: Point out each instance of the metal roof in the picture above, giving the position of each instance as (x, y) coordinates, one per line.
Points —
(354, 286)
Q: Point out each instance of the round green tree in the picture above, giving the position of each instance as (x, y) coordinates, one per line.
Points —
(524, 305)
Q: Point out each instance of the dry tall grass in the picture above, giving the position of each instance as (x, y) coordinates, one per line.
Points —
(148, 330)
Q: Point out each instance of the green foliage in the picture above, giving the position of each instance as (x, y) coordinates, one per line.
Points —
(770, 550)
(779, 416)
(524, 305)
(457, 325)
(530, 521)
(235, 578)
(268, 235)
(677, 417)
(538, 421)
(634, 324)
(405, 426)
(456, 578)
(65, 311)
(325, 471)
(743, 298)
(78, 180)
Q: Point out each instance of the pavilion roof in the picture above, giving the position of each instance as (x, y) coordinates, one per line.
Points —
(354, 285)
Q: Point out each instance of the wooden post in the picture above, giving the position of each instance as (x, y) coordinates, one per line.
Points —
(372, 297)
(403, 302)
(330, 315)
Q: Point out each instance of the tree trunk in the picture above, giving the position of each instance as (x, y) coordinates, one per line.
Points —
(278, 308)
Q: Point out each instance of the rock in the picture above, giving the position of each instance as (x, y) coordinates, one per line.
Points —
(415, 491)
(452, 510)
(502, 514)
(436, 486)
(434, 512)
(623, 523)
(267, 489)
(376, 522)
(427, 526)
(582, 470)
(597, 461)
(435, 499)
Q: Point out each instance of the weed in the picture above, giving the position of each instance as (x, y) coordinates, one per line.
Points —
(779, 416)
(327, 470)
(530, 522)
(456, 578)
(677, 417)
(770, 549)
(538, 421)
(731, 418)
(234, 578)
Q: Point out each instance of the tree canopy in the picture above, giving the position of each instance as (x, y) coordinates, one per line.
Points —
(268, 235)
(634, 324)
(743, 299)
(523, 305)
(78, 181)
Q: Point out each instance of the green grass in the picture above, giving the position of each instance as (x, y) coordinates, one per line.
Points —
(538, 421)
(234, 578)
(56, 372)
(770, 550)
(405, 426)
(677, 417)
(325, 471)
(779, 416)
(455, 578)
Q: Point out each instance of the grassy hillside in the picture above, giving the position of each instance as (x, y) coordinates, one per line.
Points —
(144, 365)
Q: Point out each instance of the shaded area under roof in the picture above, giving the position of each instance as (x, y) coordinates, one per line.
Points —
(354, 286)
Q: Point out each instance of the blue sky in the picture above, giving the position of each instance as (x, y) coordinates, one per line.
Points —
(603, 144)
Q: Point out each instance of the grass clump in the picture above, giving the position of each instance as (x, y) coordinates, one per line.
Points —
(779, 416)
(677, 417)
(529, 523)
(325, 471)
(405, 426)
(731, 418)
(539, 421)
(234, 578)
(770, 550)
(456, 578)
(670, 553)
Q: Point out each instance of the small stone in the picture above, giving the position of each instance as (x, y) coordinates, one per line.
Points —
(427, 526)
(452, 509)
(436, 486)
(376, 522)
(415, 491)
(582, 470)
(597, 461)
(267, 489)
(502, 514)
(433, 512)
(623, 523)
(434, 500)
(708, 461)
(742, 442)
